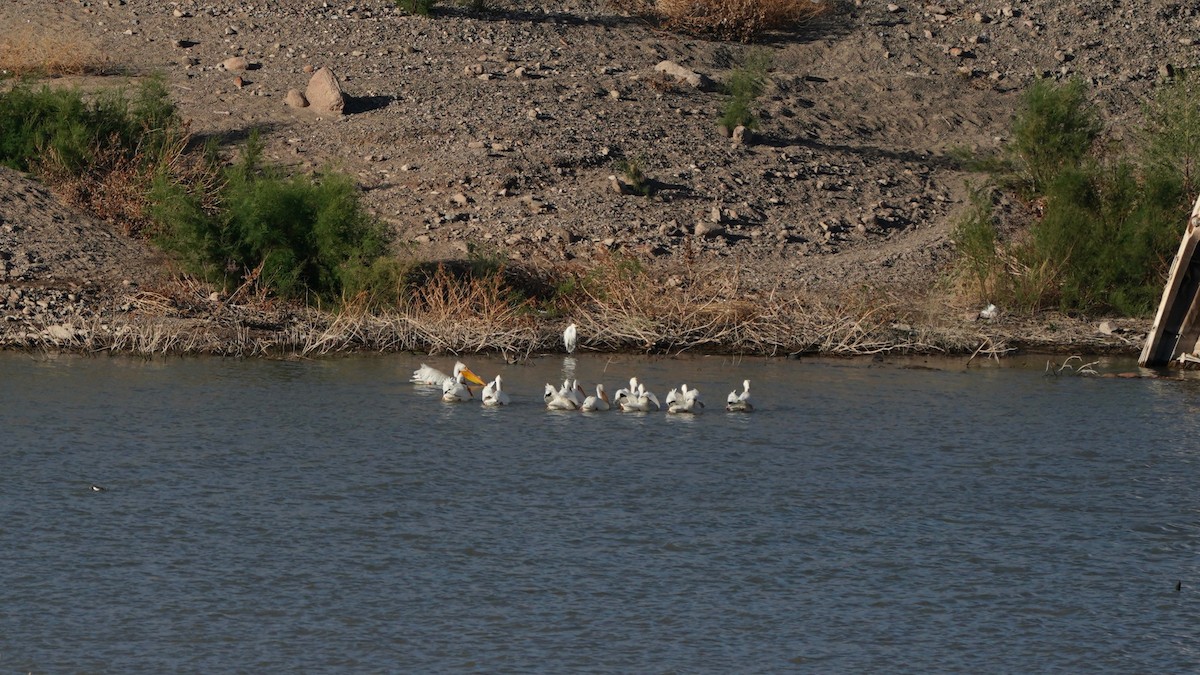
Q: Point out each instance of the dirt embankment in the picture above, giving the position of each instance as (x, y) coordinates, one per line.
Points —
(500, 132)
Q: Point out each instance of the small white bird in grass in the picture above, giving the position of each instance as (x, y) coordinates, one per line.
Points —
(432, 376)
(494, 395)
(598, 402)
(684, 400)
(570, 338)
(739, 402)
(456, 390)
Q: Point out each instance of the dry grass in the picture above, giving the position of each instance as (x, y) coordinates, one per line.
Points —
(619, 306)
(743, 20)
(46, 52)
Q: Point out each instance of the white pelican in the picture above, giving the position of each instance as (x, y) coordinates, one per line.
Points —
(456, 390)
(557, 399)
(570, 338)
(574, 392)
(598, 402)
(623, 395)
(736, 402)
(430, 375)
(684, 400)
(494, 395)
(640, 401)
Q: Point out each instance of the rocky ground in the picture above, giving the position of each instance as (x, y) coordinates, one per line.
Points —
(500, 132)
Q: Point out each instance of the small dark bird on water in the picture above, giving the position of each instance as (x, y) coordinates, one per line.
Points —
(97, 488)
(1179, 585)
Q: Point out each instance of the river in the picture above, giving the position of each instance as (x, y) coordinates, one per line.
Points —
(328, 516)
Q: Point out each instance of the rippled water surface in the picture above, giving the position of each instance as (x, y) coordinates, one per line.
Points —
(328, 516)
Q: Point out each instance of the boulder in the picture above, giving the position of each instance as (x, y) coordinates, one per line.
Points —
(686, 75)
(324, 94)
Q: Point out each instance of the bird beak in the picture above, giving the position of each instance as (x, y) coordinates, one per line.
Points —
(468, 375)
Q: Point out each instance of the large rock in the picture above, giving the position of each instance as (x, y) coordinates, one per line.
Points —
(324, 94)
(684, 75)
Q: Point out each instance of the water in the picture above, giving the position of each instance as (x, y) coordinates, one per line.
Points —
(327, 516)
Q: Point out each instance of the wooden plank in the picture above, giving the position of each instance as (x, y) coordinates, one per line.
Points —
(1176, 328)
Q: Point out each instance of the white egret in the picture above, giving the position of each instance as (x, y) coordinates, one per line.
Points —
(570, 338)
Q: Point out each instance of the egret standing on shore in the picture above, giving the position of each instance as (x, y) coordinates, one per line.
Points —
(570, 338)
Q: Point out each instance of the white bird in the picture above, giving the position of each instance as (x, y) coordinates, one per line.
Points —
(598, 402)
(684, 400)
(574, 392)
(456, 390)
(640, 401)
(557, 399)
(494, 395)
(624, 394)
(570, 338)
(736, 402)
(430, 375)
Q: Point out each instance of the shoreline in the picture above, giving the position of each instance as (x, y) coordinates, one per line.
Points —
(138, 322)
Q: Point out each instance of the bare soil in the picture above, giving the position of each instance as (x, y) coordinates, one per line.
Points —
(498, 132)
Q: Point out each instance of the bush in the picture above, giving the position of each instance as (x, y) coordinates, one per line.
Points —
(296, 236)
(1053, 132)
(47, 126)
(417, 7)
(635, 177)
(976, 240)
(26, 49)
(99, 152)
(1102, 230)
(1171, 138)
(745, 84)
(742, 20)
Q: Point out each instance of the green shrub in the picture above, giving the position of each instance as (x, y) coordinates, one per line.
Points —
(635, 177)
(298, 236)
(1103, 229)
(1054, 131)
(417, 7)
(59, 126)
(976, 239)
(1171, 137)
(745, 84)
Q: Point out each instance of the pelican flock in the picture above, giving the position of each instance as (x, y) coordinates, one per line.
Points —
(456, 388)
